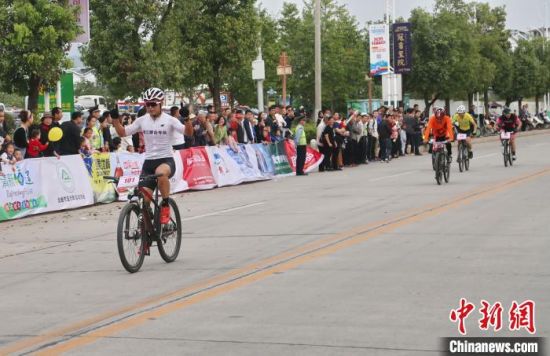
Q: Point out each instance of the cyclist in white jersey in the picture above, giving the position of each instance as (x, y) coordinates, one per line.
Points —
(157, 128)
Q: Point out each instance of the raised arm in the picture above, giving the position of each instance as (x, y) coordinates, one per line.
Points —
(116, 123)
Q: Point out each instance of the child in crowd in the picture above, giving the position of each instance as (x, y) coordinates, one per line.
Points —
(8, 156)
(87, 135)
(117, 144)
(130, 148)
(36, 147)
(7, 140)
(84, 147)
(277, 137)
(18, 155)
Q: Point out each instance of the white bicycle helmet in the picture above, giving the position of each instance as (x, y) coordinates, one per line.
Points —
(461, 109)
(153, 94)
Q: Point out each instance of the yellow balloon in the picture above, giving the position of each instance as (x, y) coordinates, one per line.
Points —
(55, 134)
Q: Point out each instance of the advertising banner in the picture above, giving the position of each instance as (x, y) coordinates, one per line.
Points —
(23, 191)
(196, 168)
(225, 169)
(313, 158)
(379, 49)
(98, 166)
(280, 159)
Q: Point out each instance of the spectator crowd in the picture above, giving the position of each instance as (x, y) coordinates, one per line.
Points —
(345, 140)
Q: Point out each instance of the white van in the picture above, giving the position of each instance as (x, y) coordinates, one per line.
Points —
(89, 101)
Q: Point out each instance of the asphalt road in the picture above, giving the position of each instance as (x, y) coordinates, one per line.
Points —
(368, 261)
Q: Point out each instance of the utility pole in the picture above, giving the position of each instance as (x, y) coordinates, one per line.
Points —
(318, 104)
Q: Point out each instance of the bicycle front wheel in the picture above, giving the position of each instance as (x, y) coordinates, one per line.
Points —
(506, 154)
(446, 169)
(130, 238)
(461, 158)
(439, 166)
(169, 241)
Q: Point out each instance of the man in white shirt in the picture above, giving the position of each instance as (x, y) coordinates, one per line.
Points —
(158, 129)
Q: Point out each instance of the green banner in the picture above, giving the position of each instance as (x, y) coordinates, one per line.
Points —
(280, 159)
(67, 95)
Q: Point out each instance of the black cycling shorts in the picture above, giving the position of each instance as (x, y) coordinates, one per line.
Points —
(149, 168)
(467, 132)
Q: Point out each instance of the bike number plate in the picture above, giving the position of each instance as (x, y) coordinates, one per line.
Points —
(128, 181)
(461, 136)
(505, 135)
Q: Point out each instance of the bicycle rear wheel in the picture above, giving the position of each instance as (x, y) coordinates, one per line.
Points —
(169, 241)
(466, 156)
(130, 238)
(446, 168)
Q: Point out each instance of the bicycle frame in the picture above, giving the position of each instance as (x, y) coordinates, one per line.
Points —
(150, 223)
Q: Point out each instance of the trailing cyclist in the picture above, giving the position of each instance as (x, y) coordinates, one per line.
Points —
(509, 122)
(441, 128)
(465, 124)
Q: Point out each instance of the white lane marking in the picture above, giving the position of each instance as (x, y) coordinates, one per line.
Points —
(392, 176)
(214, 213)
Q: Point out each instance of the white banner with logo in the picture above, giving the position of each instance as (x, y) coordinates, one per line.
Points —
(251, 173)
(225, 169)
(379, 39)
(23, 190)
(177, 183)
(253, 159)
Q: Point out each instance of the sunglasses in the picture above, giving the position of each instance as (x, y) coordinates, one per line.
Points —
(151, 104)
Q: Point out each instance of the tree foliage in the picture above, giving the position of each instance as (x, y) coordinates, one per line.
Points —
(34, 36)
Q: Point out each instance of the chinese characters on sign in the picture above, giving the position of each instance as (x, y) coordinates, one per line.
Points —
(402, 53)
(520, 316)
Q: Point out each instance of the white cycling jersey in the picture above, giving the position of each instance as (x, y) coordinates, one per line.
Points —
(157, 134)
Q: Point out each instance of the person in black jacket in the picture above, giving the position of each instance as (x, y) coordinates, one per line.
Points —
(21, 135)
(70, 142)
(105, 127)
(249, 128)
(384, 133)
(412, 128)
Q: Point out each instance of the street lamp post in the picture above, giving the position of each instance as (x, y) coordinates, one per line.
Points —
(317, 56)
(258, 74)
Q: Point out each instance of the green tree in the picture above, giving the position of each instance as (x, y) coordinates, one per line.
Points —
(344, 60)
(240, 82)
(121, 50)
(34, 36)
(526, 70)
(215, 39)
(494, 48)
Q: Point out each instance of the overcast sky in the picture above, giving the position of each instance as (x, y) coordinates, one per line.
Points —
(522, 14)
